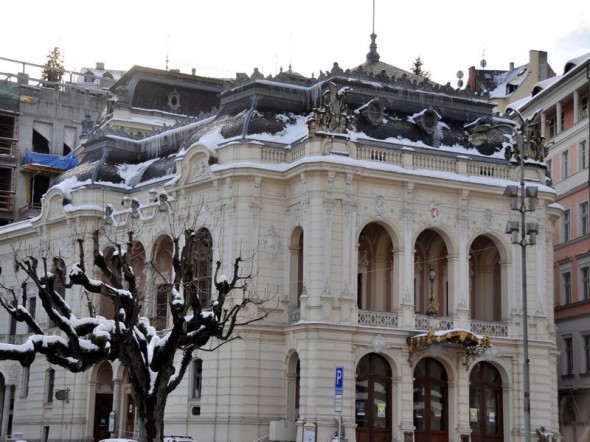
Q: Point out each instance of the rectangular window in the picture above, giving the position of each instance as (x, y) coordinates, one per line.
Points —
(25, 385)
(584, 218)
(162, 297)
(587, 353)
(551, 127)
(565, 226)
(569, 355)
(562, 121)
(585, 282)
(50, 385)
(566, 287)
(584, 107)
(583, 154)
(549, 164)
(565, 165)
(197, 378)
(32, 310)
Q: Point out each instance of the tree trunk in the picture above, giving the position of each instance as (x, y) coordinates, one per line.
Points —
(150, 418)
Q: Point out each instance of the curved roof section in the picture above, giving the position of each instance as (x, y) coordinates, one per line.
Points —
(383, 105)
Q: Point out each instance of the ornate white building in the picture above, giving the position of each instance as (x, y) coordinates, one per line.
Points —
(375, 233)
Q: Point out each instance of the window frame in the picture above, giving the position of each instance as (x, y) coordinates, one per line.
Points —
(583, 154)
(584, 218)
(196, 378)
(566, 233)
(565, 286)
(568, 351)
(50, 385)
(565, 166)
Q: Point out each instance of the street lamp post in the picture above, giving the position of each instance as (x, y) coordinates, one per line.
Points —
(527, 140)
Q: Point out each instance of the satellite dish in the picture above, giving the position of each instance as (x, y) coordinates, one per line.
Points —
(459, 74)
(483, 63)
(460, 83)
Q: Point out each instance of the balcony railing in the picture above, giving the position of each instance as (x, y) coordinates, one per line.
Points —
(461, 165)
(378, 319)
(489, 327)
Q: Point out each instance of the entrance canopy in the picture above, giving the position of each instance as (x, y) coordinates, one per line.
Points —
(472, 344)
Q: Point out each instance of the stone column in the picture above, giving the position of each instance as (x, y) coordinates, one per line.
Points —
(116, 407)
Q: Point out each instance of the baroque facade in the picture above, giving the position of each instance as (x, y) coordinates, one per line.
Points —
(376, 236)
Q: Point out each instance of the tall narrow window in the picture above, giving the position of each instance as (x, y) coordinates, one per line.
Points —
(584, 218)
(162, 297)
(201, 257)
(587, 353)
(583, 154)
(50, 385)
(585, 283)
(197, 378)
(25, 385)
(566, 287)
(32, 311)
(565, 165)
(569, 355)
(562, 121)
(566, 225)
(584, 107)
(551, 127)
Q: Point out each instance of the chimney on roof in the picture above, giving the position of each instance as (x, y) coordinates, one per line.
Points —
(511, 66)
(194, 71)
(100, 65)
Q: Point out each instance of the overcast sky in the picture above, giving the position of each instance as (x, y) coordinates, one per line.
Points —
(221, 37)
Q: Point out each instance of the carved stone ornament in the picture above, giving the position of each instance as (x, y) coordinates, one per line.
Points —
(272, 244)
(333, 116)
(378, 343)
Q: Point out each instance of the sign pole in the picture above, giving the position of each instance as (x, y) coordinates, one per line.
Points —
(338, 389)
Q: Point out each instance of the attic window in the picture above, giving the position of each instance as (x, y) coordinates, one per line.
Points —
(174, 100)
(428, 120)
(374, 112)
(89, 77)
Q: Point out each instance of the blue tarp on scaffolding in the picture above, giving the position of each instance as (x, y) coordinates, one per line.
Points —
(51, 161)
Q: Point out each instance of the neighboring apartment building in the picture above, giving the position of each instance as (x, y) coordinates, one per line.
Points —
(377, 240)
(564, 102)
(40, 127)
(505, 87)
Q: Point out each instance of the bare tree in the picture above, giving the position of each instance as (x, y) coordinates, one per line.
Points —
(149, 357)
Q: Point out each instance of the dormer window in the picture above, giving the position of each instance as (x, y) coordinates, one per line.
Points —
(174, 100)
(89, 77)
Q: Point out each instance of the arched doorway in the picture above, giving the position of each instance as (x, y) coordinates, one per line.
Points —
(430, 402)
(373, 399)
(485, 404)
(103, 402)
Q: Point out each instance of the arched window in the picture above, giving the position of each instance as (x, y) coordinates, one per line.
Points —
(485, 280)
(375, 269)
(49, 385)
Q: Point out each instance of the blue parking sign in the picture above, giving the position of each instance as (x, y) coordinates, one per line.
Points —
(339, 381)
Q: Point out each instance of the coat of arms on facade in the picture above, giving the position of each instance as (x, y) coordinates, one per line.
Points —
(333, 116)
